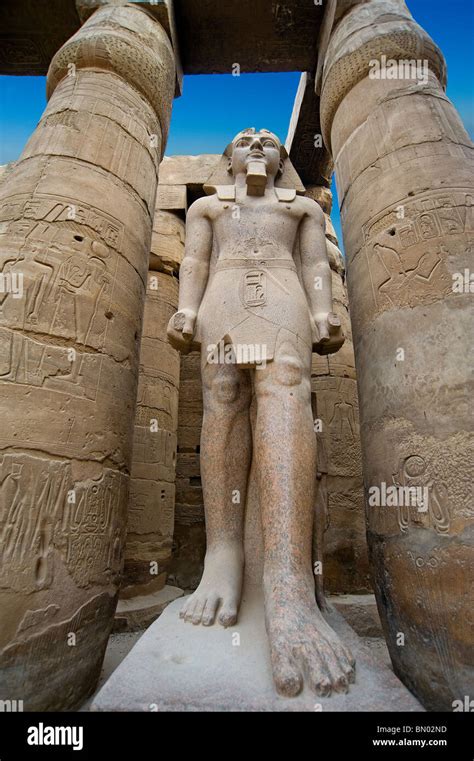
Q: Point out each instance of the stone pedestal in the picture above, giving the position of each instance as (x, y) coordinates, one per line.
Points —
(180, 667)
(405, 184)
(76, 217)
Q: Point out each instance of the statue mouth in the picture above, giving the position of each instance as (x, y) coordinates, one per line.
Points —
(256, 155)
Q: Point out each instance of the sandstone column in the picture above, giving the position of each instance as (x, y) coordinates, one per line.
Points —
(404, 173)
(76, 221)
(152, 489)
(190, 531)
(340, 492)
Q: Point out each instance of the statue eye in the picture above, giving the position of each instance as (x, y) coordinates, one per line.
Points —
(242, 144)
(269, 144)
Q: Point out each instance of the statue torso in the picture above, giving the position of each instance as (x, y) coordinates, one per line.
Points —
(254, 227)
(254, 291)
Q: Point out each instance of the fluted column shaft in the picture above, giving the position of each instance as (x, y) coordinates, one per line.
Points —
(76, 221)
(405, 184)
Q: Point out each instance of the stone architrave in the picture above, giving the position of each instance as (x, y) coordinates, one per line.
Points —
(171, 197)
(249, 300)
(405, 184)
(340, 490)
(76, 219)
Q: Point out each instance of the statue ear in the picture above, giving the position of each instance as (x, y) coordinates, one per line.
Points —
(281, 167)
(229, 165)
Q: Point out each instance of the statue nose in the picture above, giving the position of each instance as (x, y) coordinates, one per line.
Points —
(256, 144)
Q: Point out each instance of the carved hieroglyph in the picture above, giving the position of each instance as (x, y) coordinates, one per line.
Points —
(76, 217)
(340, 492)
(152, 493)
(404, 173)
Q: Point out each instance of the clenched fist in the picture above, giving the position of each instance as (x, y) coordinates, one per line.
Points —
(327, 332)
(181, 330)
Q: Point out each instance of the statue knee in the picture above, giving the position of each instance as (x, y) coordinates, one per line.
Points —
(288, 370)
(225, 389)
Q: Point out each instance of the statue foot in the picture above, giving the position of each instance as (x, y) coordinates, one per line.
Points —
(220, 588)
(303, 646)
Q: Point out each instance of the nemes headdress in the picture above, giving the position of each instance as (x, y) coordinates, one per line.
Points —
(288, 179)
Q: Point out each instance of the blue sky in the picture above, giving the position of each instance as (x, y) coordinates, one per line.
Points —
(214, 107)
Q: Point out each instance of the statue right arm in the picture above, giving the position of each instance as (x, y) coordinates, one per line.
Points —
(194, 270)
(193, 276)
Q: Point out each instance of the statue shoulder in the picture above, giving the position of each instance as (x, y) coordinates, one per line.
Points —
(312, 209)
(201, 208)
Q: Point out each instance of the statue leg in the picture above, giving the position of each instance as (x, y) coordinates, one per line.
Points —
(302, 645)
(226, 451)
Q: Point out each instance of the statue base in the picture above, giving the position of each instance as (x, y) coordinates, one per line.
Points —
(176, 666)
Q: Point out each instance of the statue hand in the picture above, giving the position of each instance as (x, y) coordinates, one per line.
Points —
(328, 333)
(181, 330)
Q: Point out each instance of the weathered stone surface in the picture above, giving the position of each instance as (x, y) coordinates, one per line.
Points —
(4, 170)
(213, 36)
(177, 667)
(172, 198)
(304, 141)
(167, 242)
(404, 174)
(133, 56)
(336, 407)
(360, 612)
(161, 10)
(256, 34)
(322, 195)
(152, 494)
(32, 31)
(139, 611)
(380, 27)
(189, 535)
(188, 170)
(76, 217)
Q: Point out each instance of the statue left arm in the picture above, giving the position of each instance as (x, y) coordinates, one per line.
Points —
(317, 279)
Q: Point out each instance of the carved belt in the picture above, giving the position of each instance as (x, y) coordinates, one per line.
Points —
(229, 264)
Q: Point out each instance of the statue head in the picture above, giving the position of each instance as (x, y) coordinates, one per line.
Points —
(250, 146)
(262, 158)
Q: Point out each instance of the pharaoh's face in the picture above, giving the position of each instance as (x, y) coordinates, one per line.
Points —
(262, 146)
